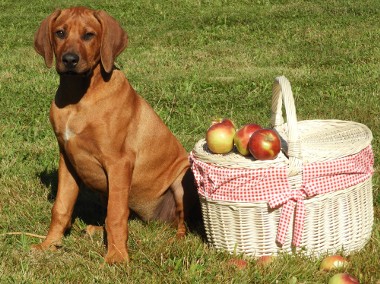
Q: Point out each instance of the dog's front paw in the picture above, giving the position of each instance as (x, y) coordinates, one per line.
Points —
(116, 257)
(46, 245)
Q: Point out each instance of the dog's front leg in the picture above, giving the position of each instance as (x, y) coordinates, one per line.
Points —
(119, 183)
(63, 206)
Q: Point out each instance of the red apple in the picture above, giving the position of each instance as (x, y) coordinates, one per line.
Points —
(343, 278)
(238, 263)
(242, 136)
(264, 144)
(333, 262)
(220, 136)
(265, 260)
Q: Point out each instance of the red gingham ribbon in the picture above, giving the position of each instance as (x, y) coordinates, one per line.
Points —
(272, 185)
(328, 176)
(290, 201)
(236, 184)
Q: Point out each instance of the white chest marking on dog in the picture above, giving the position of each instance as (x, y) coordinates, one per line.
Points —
(67, 134)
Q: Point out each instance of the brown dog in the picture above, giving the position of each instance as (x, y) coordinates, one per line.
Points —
(104, 132)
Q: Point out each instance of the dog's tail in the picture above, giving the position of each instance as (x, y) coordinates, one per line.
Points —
(165, 211)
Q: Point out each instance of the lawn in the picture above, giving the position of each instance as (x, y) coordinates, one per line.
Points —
(192, 60)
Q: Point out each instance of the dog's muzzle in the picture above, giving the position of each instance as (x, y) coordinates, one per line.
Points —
(70, 60)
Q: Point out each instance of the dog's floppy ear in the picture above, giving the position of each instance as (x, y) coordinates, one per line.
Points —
(43, 39)
(114, 40)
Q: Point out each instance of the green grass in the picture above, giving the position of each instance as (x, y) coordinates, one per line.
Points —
(193, 60)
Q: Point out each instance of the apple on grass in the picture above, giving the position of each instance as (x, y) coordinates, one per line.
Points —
(265, 260)
(343, 278)
(265, 144)
(238, 263)
(242, 136)
(333, 262)
(220, 136)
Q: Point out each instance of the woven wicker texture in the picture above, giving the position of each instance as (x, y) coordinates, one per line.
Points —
(336, 220)
(340, 220)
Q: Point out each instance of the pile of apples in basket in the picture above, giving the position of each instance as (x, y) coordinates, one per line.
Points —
(250, 139)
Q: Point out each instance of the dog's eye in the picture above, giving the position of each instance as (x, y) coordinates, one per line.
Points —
(88, 36)
(60, 34)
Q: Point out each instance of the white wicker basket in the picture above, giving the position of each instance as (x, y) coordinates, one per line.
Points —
(337, 220)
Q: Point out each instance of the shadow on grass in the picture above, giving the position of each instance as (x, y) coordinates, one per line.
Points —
(91, 208)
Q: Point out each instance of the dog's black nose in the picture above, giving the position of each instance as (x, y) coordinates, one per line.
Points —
(70, 60)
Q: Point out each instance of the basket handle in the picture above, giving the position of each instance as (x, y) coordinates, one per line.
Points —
(282, 91)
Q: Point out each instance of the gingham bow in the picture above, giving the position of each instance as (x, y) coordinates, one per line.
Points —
(294, 199)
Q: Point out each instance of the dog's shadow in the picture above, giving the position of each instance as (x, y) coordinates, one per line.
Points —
(91, 208)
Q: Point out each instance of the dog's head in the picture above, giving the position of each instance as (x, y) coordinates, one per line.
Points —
(80, 38)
